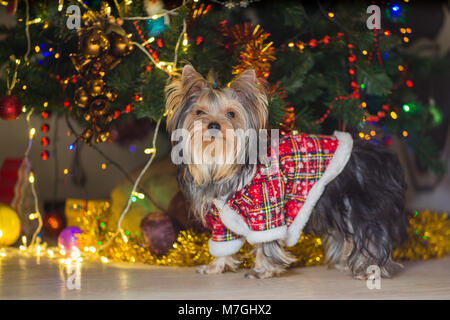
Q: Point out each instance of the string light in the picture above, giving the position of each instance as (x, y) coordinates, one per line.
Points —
(37, 20)
(33, 216)
(139, 195)
(150, 150)
(32, 132)
(60, 5)
(393, 115)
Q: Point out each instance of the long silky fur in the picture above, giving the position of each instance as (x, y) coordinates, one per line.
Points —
(181, 95)
(364, 206)
(201, 197)
(360, 214)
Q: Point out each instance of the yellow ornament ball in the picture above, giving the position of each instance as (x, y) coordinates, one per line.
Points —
(9, 226)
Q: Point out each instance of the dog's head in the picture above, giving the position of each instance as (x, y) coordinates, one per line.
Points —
(211, 116)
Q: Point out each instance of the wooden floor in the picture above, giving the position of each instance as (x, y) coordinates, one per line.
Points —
(28, 278)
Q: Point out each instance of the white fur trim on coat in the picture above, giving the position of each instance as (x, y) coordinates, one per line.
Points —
(225, 248)
(335, 167)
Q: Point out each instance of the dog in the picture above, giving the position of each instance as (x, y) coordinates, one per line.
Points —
(350, 193)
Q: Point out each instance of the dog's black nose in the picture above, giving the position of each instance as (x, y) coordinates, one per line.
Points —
(214, 125)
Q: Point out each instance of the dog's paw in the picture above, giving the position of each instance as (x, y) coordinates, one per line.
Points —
(341, 266)
(219, 265)
(252, 274)
(210, 269)
(361, 276)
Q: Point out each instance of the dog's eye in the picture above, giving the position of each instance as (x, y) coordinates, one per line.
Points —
(230, 114)
(199, 112)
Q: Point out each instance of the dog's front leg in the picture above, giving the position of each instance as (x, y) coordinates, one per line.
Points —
(220, 265)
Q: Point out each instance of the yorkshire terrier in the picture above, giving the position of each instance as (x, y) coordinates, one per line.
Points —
(350, 193)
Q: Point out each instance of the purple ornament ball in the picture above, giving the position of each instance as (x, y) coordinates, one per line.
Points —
(68, 238)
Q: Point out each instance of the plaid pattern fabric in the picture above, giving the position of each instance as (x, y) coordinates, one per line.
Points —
(279, 188)
(218, 230)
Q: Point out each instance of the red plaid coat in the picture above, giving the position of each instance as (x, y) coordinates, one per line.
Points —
(276, 204)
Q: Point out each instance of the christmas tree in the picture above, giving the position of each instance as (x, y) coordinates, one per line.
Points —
(326, 70)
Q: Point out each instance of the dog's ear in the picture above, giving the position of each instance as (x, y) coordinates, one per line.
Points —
(250, 92)
(192, 81)
(179, 91)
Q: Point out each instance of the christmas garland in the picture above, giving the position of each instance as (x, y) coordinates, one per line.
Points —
(428, 238)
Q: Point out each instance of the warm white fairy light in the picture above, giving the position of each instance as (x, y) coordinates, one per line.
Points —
(32, 132)
(37, 20)
(149, 150)
(33, 216)
(150, 40)
(139, 195)
(60, 5)
(32, 180)
(24, 240)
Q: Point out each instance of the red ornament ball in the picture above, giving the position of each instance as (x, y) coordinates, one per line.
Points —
(45, 154)
(53, 223)
(45, 127)
(159, 233)
(10, 108)
(45, 115)
(45, 141)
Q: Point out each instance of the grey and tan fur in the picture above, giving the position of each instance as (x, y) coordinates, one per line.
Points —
(360, 215)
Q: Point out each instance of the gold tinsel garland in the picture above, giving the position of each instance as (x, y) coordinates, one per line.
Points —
(256, 52)
(428, 237)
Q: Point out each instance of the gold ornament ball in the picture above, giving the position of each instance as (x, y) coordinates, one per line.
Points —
(87, 134)
(9, 226)
(99, 107)
(81, 97)
(120, 45)
(96, 87)
(102, 137)
(88, 116)
(94, 43)
(111, 95)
